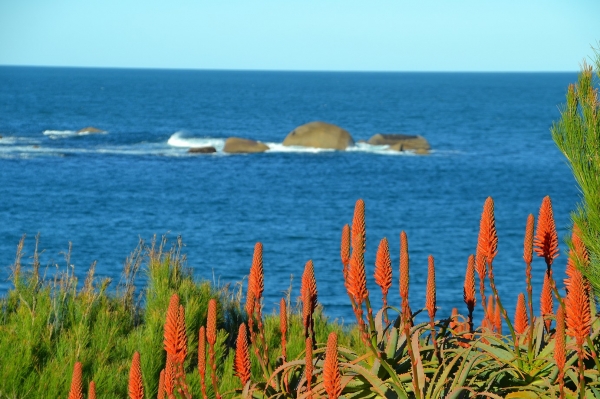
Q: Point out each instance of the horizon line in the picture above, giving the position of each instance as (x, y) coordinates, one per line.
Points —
(279, 70)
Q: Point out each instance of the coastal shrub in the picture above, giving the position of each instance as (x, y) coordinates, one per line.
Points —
(577, 135)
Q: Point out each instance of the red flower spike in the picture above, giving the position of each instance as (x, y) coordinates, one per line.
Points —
(528, 241)
(430, 300)
(76, 391)
(331, 370)
(577, 303)
(357, 278)
(497, 318)
(256, 283)
(136, 384)
(358, 228)
(211, 322)
(181, 352)
(161, 385)
(487, 242)
(308, 359)
(404, 272)
(283, 326)
(469, 285)
(547, 301)
(170, 336)
(345, 246)
(92, 390)
(383, 267)
(242, 356)
(546, 239)
(559, 351)
(521, 319)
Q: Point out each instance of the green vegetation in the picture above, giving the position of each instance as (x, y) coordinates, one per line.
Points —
(577, 135)
(46, 325)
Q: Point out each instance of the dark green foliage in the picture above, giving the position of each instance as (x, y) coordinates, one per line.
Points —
(577, 135)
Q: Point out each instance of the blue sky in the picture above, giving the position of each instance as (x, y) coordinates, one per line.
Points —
(344, 35)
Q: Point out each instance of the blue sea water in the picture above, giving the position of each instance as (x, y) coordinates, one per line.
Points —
(489, 133)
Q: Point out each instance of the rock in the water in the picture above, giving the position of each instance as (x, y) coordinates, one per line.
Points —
(319, 135)
(202, 150)
(236, 145)
(402, 142)
(90, 129)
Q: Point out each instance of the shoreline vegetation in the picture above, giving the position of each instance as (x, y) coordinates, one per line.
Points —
(180, 338)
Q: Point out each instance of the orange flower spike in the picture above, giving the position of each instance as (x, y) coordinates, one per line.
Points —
(497, 318)
(76, 391)
(283, 326)
(404, 272)
(249, 301)
(490, 311)
(211, 337)
(306, 311)
(577, 304)
(92, 390)
(345, 246)
(161, 385)
(310, 283)
(211, 322)
(136, 384)
(383, 267)
(256, 280)
(430, 300)
(521, 319)
(547, 301)
(202, 359)
(469, 285)
(487, 243)
(308, 359)
(358, 228)
(559, 351)
(308, 292)
(528, 241)
(546, 239)
(559, 348)
(242, 356)
(357, 278)
(331, 370)
(171, 332)
(181, 336)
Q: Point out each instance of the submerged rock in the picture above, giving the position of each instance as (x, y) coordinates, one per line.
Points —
(319, 135)
(202, 150)
(236, 145)
(402, 142)
(90, 129)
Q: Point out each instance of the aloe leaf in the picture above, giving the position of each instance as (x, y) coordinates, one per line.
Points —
(500, 354)
(392, 343)
(522, 395)
(377, 385)
(419, 372)
(434, 390)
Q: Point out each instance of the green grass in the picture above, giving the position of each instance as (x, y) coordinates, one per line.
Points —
(48, 324)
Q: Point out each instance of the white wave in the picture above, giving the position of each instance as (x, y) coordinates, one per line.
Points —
(178, 140)
(12, 140)
(61, 134)
(358, 147)
(279, 147)
(377, 149)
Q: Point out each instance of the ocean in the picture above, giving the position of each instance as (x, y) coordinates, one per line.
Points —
(489, 134)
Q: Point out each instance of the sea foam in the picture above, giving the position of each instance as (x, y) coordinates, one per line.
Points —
(178, 139)
(61, 134)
